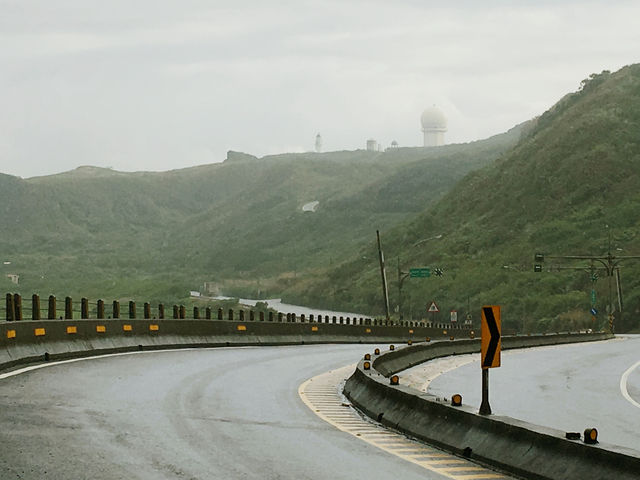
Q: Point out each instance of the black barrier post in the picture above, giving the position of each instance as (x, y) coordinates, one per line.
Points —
(11, 310)
(35, 307)
(161, 311)
(261, 315)
(176, 312)
(220, 314)
(485, 408)
(100, 309)
(230, 314)
(115, 313)
(17, 304)
(68, 308)
(302, 318)
(251, 315)
(183, 312)
(280, 316)
(147, 310)
(207, 313)
(132, 309)
(84, 308)
(196, 313)
(241, 315)
(271, 316)
(51, 314)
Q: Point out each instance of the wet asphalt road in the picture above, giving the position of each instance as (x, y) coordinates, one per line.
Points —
(227, 413)
(568, 387)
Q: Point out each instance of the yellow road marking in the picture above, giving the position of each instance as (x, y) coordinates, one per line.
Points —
(322, 396)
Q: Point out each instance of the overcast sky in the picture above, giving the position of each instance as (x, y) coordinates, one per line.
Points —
(160, 85)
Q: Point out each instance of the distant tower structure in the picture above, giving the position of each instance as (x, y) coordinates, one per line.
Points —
(394, 144)
(318, 143)
(434, 124)
(372, 145)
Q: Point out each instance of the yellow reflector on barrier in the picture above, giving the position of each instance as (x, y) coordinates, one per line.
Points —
(395, 380)
(153, 327)
(367, 356)
(368, 330)
(11, 334)
(392, 347)
(72, 329)
(376, 351)
(314, 329)
(242, 328)
(456, 400)
(366, 365)
(410, 331)
(127, 328)
(444, 332)
(101, 328)
(39, 332)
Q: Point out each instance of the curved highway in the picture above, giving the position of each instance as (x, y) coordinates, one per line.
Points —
(568, 387)
(228, 413)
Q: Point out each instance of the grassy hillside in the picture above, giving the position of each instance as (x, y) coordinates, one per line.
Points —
(240, 223)
(573, 180)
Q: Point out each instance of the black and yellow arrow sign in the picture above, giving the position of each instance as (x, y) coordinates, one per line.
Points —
(491, 344)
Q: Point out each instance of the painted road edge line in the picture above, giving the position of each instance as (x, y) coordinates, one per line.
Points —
(623, 385)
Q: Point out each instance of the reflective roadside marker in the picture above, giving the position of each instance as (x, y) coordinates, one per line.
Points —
(410, 331)
(242, 328)
(38, 332)
(394, 380)
(314, 329)
(410, 342)
(376, 351)
(367, 356)
(154, 328)
(444, 332)
(101, 328)
(127, 328)
(366, 365)
(72, 329)
(452, 337)
(428, 339)
(368, 330)
(591, 436)
(11, 334)
(392, 347)
(456, 400)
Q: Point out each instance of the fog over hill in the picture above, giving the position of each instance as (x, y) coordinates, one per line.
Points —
(571, 183)
(239, 224)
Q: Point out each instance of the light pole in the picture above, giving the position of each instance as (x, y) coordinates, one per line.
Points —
(402, 276)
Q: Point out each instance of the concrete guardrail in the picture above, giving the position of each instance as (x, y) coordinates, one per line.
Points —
(511, 445)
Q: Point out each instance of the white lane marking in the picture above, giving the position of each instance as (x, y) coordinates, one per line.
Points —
(623, 385)
(19, 371)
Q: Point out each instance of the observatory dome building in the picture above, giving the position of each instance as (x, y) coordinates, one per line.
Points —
(434, 125)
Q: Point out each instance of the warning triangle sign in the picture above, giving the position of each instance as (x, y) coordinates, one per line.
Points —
(433, 308)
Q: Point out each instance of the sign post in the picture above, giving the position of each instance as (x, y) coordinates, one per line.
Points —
(490, 350)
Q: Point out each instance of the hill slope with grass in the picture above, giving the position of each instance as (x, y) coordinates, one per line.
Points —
(569, 185)
(239, 224)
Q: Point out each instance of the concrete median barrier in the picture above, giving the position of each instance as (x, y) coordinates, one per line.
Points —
(521, 448)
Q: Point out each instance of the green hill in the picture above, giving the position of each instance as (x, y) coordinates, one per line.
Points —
(568, 184)
(240, 223)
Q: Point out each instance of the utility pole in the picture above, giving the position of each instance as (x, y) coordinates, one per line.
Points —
(383, 274)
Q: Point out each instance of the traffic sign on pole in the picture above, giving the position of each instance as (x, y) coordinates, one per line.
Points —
(433, 308)
(423, 272)
(454, 316)
(491, 330)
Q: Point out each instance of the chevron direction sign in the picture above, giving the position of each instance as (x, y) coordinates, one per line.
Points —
(491, 330)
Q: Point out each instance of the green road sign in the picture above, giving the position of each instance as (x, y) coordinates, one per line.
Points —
(423, 272)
